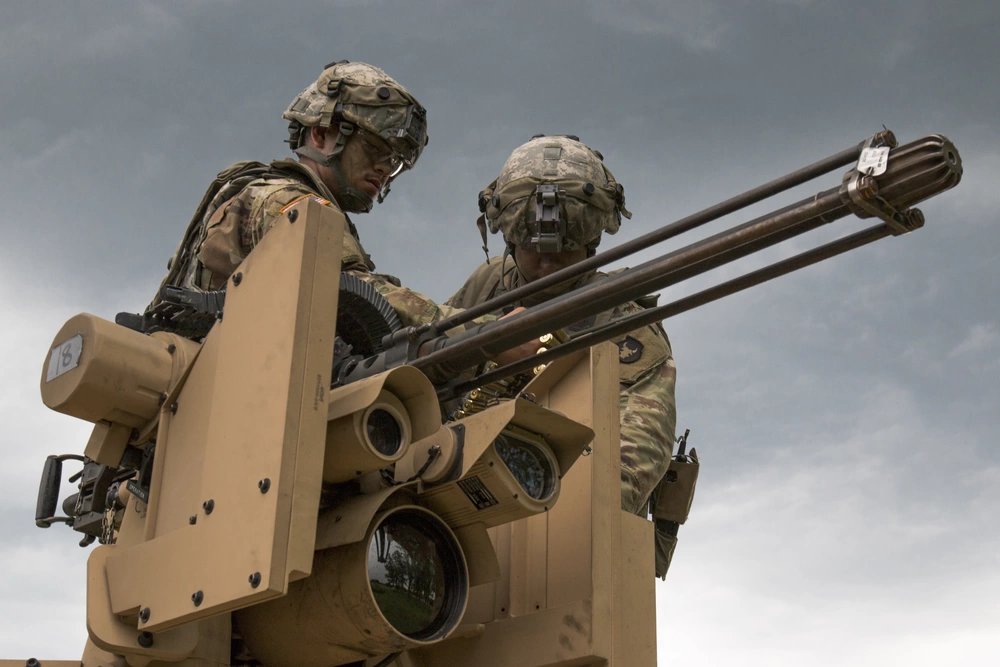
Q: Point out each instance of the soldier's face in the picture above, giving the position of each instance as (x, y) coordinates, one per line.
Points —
(363, 166)
(534, 265)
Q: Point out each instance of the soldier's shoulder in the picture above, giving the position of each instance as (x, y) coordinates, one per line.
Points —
(281, 184)
(642, 348)
(480, 283)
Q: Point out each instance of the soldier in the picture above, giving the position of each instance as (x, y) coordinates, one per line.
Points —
(354, 130)
(553, 199)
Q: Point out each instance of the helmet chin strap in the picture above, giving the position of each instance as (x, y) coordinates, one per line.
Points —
(549, 292)
(348, 197)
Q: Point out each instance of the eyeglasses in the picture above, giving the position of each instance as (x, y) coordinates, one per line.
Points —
(379, 152)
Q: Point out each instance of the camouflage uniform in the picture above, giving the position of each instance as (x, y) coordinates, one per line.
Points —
(646, 374)
(247, 197)
(554, 194)
(232, 227)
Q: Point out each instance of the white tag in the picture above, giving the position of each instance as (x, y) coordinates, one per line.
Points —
(64, 357)
(873, 161)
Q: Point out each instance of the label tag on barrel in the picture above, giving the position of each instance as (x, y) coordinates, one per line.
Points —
(873, 161)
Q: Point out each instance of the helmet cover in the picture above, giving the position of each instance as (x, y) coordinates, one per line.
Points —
(361, 95)
(553, 194)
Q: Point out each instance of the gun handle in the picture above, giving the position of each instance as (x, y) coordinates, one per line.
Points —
(48, 492)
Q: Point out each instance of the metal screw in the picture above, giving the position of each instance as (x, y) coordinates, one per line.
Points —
(264, 485)
(145, 639)
(208, 506)
(293, 215)
(255, 580)
(144, 614)
(171, 348)
(237, 278)
(197, 598)
(193, 519)
(32, 662)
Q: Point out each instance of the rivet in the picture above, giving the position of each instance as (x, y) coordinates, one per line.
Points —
(145, 639)
(255, 580)
(208, 506)
(193, 519)
(144, 614)
(197, 597)
(383, 93)
(588, 188)
(264, 485)
(293, 215)
(173, 408)
(171, 348)
(237, 278)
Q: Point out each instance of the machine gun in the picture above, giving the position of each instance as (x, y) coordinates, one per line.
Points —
(253, 508)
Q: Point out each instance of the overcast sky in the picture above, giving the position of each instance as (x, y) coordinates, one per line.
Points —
(846, 416)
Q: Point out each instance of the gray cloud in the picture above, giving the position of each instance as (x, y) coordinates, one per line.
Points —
(846, 414)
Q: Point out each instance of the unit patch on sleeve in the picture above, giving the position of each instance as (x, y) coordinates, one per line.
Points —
(629, 350)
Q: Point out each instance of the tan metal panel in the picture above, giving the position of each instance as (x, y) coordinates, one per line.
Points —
(576, 584)
(267, 422)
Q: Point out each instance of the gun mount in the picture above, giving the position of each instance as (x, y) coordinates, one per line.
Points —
(256, 506)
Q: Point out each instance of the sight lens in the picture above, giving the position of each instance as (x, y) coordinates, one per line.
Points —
(384, 432)
(532, 469)
(417, 574)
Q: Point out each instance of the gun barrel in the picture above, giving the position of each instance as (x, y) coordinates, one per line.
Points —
(659, 313)
(914, 172)
(714, 212)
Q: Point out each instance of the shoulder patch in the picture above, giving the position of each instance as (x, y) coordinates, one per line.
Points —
(316, 198)
(629, 350)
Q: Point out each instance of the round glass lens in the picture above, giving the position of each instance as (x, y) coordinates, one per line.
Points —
(530, 467)
(384, 432)
(413, 570)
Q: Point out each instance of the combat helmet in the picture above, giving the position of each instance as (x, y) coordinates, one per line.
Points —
(553, 194)
(356, 96)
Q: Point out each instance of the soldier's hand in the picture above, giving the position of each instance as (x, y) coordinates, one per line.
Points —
(528, 349)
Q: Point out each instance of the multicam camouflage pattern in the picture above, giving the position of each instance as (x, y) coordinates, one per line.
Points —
(647, 379)
(591, 201)
(366, 96)
(232, 227)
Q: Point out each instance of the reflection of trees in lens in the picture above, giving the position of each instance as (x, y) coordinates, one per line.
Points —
(528, 465)
(406, 571)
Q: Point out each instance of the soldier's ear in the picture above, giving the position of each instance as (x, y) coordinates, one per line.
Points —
(317, 136)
